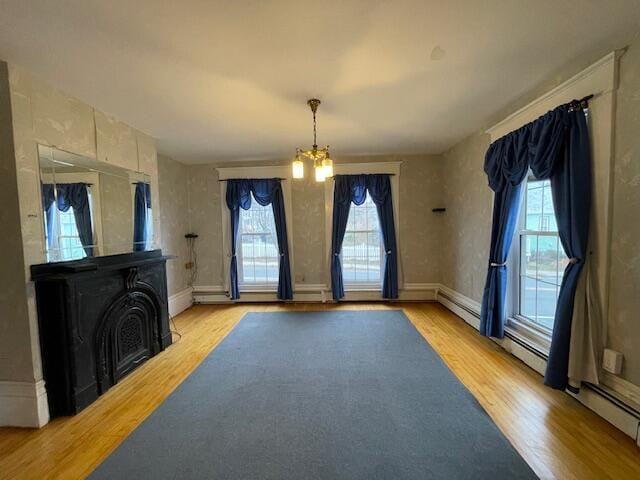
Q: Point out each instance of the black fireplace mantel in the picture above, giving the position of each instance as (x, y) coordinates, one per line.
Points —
(99, 319)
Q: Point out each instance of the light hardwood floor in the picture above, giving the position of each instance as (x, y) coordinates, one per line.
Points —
(554, 433)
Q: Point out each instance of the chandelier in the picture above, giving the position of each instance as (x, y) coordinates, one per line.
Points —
(322, 163)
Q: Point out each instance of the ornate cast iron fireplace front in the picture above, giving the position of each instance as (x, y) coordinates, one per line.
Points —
(100, 319)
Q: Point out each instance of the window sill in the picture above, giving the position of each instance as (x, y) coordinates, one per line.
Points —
(254, 288)
(372, 287)
(529, 334)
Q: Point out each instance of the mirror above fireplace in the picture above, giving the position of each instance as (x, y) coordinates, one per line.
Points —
(91, 208)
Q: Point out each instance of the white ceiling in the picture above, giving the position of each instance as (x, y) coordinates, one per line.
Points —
(215, 80)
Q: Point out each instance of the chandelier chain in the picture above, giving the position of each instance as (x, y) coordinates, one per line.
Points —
(315, 143)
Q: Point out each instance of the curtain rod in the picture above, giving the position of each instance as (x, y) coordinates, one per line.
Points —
(276, 178)
(270, 178)
(582, 103)
(68, 183)
(584, 99)
(350, 174)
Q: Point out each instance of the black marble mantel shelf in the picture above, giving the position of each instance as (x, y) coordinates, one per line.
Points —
(45, 270)
(99, 319)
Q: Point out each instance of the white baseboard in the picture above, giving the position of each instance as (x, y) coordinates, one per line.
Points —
(618, 416)
(315, 293)
(622, 387)
(179, 302)
(23, 404)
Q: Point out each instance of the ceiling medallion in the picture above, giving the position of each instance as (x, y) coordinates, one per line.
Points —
(322, 162)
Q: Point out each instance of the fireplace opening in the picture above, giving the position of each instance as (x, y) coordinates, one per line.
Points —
(127, 337)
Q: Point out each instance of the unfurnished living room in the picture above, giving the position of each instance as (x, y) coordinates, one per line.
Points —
(332, 240)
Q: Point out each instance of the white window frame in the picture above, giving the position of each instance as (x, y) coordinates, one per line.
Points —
(242, 284)
(364, 285)
(536, 335)
(278, 171)
(390, 168)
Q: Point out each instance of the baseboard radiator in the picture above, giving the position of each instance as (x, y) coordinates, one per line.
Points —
(597, 398)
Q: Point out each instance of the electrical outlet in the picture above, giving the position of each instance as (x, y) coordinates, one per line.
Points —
(188, 265)
(612, 361)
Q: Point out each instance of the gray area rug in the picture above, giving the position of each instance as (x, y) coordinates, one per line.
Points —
(319, 395)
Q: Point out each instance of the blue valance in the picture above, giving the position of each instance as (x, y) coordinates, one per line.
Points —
(265, 191)
(537, 146)
(353, 189)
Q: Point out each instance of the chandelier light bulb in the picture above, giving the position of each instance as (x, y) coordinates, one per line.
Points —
(298, 167)
(327, 166)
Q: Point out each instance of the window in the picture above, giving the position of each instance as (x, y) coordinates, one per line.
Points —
(148, 229)
(65, 241)
(541, 257)
(362, 249)
(257, 250)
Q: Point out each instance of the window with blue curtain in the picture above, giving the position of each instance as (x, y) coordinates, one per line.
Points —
(257, 249)
(68, 221)
(362, 248)
(241, 194)
(555, 147)
(61, 235)
(354, 190)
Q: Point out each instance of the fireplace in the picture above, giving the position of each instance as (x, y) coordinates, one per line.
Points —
(100, 319)
(127, 334)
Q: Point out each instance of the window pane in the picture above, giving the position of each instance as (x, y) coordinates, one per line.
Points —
(258, 253)
(548, 215)
(260, 270)
(534, 206)
(528, 297)
(360, 218)
(529, 255)
(372, 218)
(361, 256)
(542, 259)
(548, 259)
(546, 303)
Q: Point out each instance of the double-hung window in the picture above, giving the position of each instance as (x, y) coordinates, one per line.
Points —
(540, 258)
(362, 247)
(257, 248)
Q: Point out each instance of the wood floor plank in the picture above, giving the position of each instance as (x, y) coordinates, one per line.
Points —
(554, 433)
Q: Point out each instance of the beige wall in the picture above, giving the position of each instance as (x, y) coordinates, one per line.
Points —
(419, 229)
(624, 299)
(467, 230)
(205, 219)
(174, 216)
(469, 203)
(308, 223)
(16, 360)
